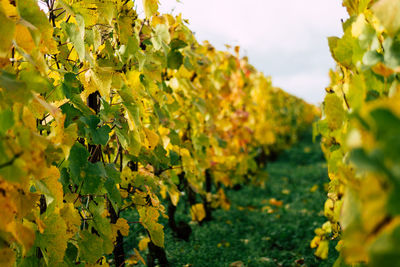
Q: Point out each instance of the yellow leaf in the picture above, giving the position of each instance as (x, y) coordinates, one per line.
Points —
(328, 208)
(339, 245)
(51, 176)
(4, 62)
(322, 250)
(315, 242)
(358, 26)
(28, 119)
(149, 217)
(268, 209)
(124, 193)
(327, 227)
(7, 257)
(174, 196)
(152, 138)
(143, 243)
(335, 114)
(136, 257)
(100, 263)
(8, 211)
(24, 236)
(274, 202)
(9, 9)
(71, 218)
(314, 188)
(198, 212)
(223, 200)
(23, 38)
(40, 224)
(381, 69)
(150, 7)
(97, 80)
(123, 226)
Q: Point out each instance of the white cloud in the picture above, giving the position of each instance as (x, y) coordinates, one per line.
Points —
(284, 32)
(307, 85)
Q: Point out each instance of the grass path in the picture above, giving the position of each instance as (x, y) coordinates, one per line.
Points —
(255, 231)
(260, 234)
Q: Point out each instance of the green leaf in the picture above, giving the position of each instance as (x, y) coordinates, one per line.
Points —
(103, 227)
(177, 44)
(7, 31)
(113, 192)
(93, 174)
(188, 65)
(30, 11)
(385, 250)
(16, 90)
(343, 52)
(6, 120)
(174, 158)
(332, 43)
(174, 137)
(71, 85)
(71, 254)
(36, 82)
(174, 59)
(76, 34)
(161, 113)
(163, 86)
(387, 132)
(364, 162)
(71, 114)
(54, 240)
(90, 247)
(132, 48)
(80, 105)
(393, 207)
(371, 58)
(99, 135)
(129, 140)
(392, 52)
(110, 184)
(131, 106)
(78, 159)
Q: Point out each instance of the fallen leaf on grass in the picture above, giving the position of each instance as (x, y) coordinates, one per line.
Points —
(225, 244)
(274, 202)
(245, 241)
(314, 188)
(236, 264)
(251, 208)
(268, 209)
(285, 191)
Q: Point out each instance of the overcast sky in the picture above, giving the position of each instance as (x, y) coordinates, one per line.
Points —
(286, 39)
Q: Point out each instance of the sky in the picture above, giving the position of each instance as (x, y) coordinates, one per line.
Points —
(284, 39)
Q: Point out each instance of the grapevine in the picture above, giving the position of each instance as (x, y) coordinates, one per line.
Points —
(360, 129)
(102, 111)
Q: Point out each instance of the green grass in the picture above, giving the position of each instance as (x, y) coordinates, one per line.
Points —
(248, 233)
